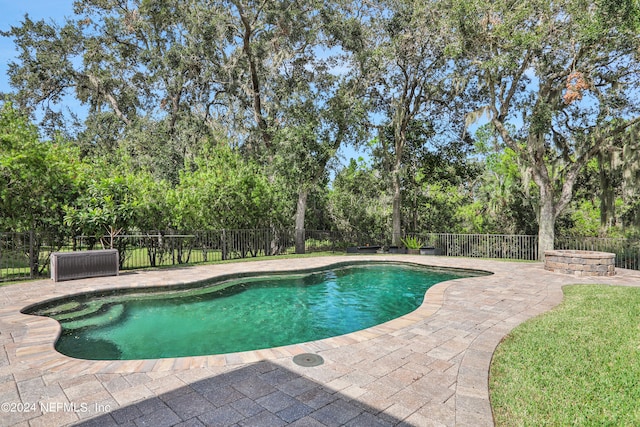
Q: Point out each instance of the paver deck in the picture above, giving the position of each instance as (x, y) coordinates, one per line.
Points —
(428, 368)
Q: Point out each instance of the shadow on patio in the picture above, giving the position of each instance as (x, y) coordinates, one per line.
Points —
(261, 394)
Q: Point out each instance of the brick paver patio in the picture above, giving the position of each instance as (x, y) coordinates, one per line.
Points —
(428, 368)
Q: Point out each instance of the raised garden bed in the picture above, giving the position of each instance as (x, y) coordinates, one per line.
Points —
(580, 263)
(368, 249)
(397, 250)
(430, 250)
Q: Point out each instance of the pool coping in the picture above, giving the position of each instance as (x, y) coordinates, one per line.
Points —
(37, 347)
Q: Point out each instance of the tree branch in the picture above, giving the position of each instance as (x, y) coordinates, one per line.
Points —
(110, 99)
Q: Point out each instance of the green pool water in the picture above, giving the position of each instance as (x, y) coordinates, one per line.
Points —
(241, 314)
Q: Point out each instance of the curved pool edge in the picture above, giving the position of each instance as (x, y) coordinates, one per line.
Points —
(37, 345)
(447, 356)
(221, 279)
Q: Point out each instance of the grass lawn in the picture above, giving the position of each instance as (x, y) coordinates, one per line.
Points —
(578, 364)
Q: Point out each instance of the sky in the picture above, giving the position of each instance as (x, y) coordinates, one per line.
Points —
(12, 13)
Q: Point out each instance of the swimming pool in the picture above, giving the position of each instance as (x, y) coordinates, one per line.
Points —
(239, 314)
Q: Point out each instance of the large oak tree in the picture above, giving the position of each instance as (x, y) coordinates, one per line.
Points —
(558, 81)
(410, 78)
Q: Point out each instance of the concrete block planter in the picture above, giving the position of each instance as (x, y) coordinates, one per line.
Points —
(580, 263)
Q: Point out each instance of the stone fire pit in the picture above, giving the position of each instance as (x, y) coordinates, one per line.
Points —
(580, 263)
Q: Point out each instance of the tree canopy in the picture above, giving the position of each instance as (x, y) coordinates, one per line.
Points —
(199, 114)
(563, 74)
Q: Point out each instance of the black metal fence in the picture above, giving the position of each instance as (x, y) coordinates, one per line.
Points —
(627, 250)
(26, 255)
(15, 256)
(160, 249)
(502, 246)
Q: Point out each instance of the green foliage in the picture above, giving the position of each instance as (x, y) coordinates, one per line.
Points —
(36, 178)
(440, 207)
(358, 202)
(412, 242)
(506, 197)
(224, 191)
(474, 219)
(153, 210)
(106, 206)
(166, 81)
(586, 219)
(170, 86)
(544, 72)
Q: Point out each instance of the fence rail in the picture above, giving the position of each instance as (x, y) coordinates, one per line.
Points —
(160, 249)
(501, 246)
(15, 260)
(26, 255)
(627, 250)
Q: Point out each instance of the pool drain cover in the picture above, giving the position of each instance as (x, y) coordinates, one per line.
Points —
(308, 359)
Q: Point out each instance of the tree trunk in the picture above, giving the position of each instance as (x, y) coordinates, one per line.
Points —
(399, 135)
(396, 228)
(607, 197)
(546, 223)
(551, 203)
(255, 79)
(301, 210)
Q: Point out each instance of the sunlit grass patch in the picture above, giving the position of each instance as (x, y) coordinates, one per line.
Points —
(578, 364)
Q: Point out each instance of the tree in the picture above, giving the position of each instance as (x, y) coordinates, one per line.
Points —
(153, 209)
(359, 203)
(225, 191)
(326, 114)
(618, 178)
(165, 80)
(441, 186)
(36, 177)
(563, 74)
(137, 68)
(505, 196)
(107, 205)
(304, 105)
(409, 76)
(432, 169)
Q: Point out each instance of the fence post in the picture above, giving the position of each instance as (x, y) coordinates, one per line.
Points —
(224, 245)
(32, 263)
(488, 246)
